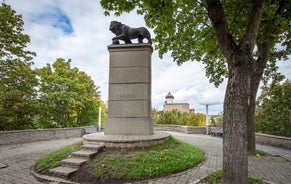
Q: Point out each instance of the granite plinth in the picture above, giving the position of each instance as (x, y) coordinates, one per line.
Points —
(129, 126)
(129, 93)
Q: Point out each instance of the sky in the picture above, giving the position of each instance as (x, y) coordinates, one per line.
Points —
(79, 30)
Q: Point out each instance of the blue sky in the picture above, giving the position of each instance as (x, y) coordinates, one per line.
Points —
(78, 30)
(61, 21)
(54, 17)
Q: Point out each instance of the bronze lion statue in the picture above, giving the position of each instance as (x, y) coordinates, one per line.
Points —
(126, 33)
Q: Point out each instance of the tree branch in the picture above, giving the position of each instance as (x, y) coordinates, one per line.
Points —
(225, 40)
(249, 39)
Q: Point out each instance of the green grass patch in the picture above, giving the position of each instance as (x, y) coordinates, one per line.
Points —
(256, 153)
(169, 157)
(216, 178)
(53, 159)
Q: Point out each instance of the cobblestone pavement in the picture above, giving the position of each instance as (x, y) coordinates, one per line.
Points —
(21, 157)
(275, 168)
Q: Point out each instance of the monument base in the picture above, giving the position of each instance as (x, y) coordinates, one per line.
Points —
(129, 126)
(125, 141)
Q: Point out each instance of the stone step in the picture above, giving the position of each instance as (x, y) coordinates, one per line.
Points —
(84, 153)
(63, 172)
(73, 162)
(95, 147)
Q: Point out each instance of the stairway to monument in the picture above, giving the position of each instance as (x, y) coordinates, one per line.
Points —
(74, 162)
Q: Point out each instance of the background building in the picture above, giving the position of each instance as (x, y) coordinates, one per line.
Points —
(169, 105)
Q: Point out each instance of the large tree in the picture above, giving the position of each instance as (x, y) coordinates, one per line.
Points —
(17, 79)
(68, 97)
(235, 39)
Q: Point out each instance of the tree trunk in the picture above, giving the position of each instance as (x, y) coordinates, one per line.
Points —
(251, 138)
(255, 80)
(256, 76)
(236, 108)
(240, 93)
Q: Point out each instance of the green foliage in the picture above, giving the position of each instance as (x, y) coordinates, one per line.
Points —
(103, 113)
(184, 29)
(68, 97)
(17, 79)
(273, 113)
(169, 157)
(216, 178)
(236, 39)
(200, 118)
(218, 121)
(193, 120)
(53, 159)
(17, 95)
(256, 153)
(64, 97)
(12, 41)
(213, 178)
(176, 117)
(173, 117)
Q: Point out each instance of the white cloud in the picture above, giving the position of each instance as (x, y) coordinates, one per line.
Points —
(285, 68)
(87, 47)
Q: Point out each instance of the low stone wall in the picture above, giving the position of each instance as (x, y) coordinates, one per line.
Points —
(195, 130)
(267, 139)
(23, 136)
(174, 128)
(273, 140)
(178, 128)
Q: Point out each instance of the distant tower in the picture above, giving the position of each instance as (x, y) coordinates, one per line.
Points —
(169, 98)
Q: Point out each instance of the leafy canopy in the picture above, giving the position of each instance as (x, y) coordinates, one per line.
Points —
(17, 79)
(12, 39)
(183, 27)
(62, 97)
(68, 97)
(175, 117)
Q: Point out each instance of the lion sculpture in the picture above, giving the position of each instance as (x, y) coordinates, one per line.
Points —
(126, 33)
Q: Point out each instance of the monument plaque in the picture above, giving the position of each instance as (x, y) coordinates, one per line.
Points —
(129, 99)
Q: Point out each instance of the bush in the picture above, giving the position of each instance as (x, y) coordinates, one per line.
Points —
(273, 113)
(176, 117)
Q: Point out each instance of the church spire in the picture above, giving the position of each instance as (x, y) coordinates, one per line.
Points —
(169, 98)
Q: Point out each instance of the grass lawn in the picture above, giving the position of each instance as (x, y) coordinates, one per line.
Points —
(53, 159)
(216, 177)
(129, 163)
(256, 153)
(162, 159)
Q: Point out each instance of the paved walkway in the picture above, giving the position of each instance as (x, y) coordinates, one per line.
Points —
(276, 168)
(21, 157)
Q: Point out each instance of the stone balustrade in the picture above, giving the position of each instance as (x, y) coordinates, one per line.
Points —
(23, 136)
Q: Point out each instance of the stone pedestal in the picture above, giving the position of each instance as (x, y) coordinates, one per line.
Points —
(129, 99)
